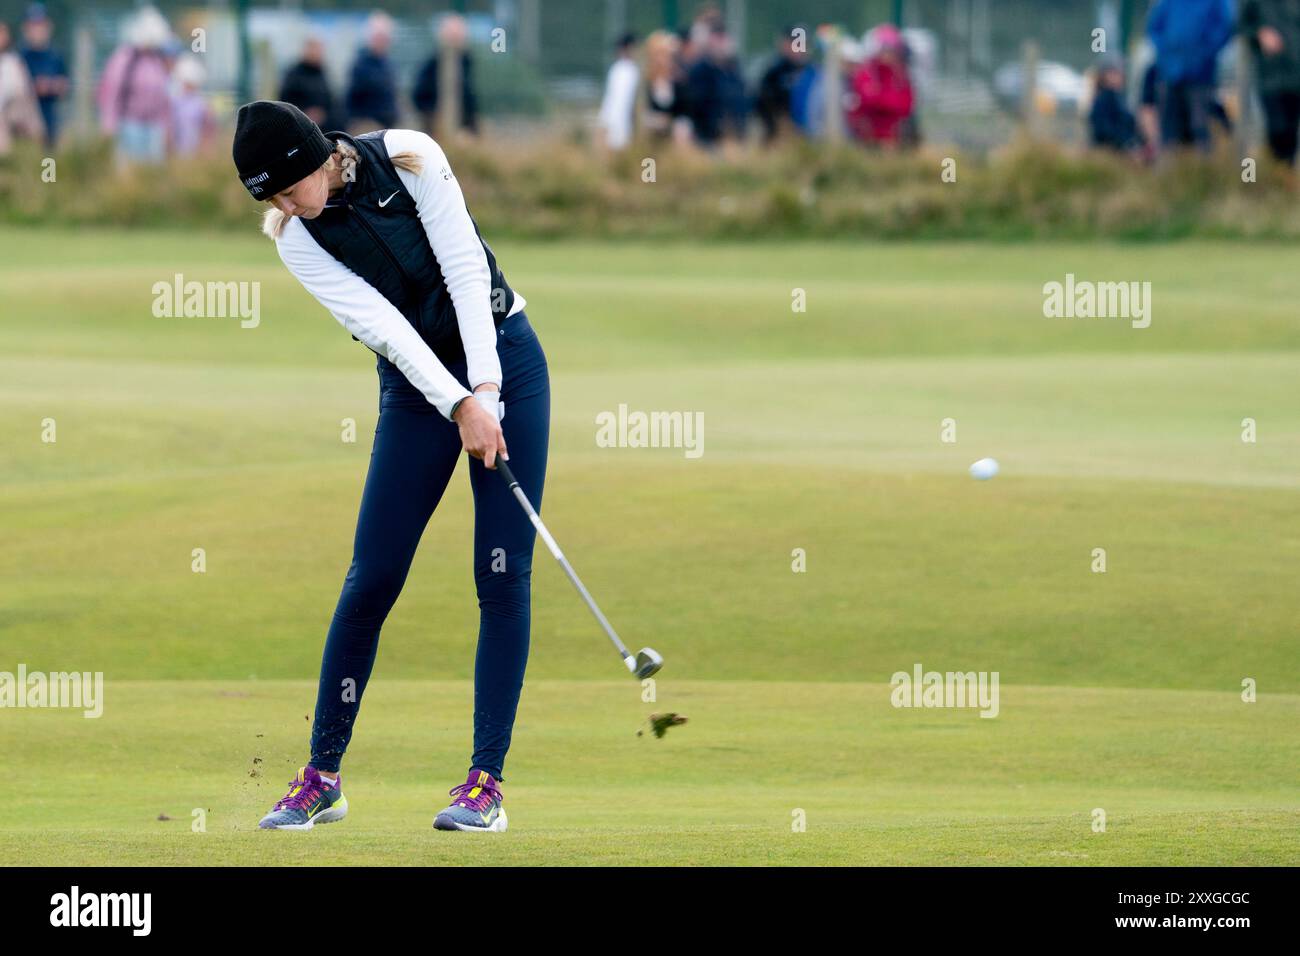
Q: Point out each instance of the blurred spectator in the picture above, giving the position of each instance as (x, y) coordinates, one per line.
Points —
(134, 105)
(372, 92)
(453, 34)
(1188, 35)
(20, 113)
(48, 72)
(618, 107)
(777, 83)
(688, 50)
(1110, 124)
(666, 116)
(1219, 114)
(715, 90)
(735, 96)
(193, 126)
(808, 101)
(688, 54)
(1148, 115)
(306, 86)
(883, 99)
(708, 19)
(1273, 29)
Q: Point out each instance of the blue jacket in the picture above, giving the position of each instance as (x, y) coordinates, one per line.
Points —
(1188, 35)
(1111, 123)
(706, 96)
(806, 100)
(372, 94)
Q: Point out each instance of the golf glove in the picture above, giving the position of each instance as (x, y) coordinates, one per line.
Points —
(491, 402)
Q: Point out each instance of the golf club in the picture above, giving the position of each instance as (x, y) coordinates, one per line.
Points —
(647, 660)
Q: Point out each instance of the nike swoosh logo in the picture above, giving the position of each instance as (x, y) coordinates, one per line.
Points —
(386, 201)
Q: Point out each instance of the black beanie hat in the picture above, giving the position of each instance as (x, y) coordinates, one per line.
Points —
(276, 144)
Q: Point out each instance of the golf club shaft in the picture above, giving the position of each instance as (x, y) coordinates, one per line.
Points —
(545, 535)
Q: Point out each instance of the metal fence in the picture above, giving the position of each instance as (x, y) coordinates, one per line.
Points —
(968, 56)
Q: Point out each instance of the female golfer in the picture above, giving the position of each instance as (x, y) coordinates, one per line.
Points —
(377, 230)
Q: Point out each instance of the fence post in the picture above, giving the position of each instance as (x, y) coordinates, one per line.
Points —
(264, 57)
(1029, 92)
(670, 15)
(245, 83)
(530, 30)
(1125, 24)
(83, 83)
(834, 91)
(737, 23)
(615, 22)
(449, 92)
(1245, 99)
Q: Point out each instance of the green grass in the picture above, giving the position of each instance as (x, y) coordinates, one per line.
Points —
(1119, 690)
(875, 785)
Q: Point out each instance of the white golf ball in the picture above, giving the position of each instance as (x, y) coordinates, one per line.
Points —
(984, 469)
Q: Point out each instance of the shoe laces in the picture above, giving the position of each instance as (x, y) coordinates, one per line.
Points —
(487, 793)
(302, 793)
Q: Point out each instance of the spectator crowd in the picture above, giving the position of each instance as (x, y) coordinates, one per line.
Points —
(1178, 103)
(150, 97)
(694, 91)
(32, 80)
(685, 86)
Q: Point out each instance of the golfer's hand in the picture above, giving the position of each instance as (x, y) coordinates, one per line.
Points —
(1270, 41)
(480, 432)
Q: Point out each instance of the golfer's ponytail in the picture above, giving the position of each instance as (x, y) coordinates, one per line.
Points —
(345, 158)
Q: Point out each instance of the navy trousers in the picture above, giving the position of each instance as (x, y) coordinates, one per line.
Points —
(416, 451)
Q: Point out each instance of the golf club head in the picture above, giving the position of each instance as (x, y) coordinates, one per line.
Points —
(648, 662)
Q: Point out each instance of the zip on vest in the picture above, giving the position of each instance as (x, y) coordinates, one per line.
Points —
(388, 253)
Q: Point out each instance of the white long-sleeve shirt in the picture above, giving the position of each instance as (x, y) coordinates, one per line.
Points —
(618, 107)
(362, 309)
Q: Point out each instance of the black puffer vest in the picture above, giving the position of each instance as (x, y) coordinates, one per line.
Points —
(388, 247)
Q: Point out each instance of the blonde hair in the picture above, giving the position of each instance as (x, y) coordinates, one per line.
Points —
(345, 158)
(660, 49)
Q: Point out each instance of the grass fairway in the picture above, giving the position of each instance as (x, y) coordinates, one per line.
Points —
(944, 787)
(1119, 691)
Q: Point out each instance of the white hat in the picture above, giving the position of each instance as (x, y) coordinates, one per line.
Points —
(189, 71)
(148, 30)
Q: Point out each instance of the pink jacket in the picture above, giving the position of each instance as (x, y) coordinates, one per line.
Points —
(134, 87)
(884, 101)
